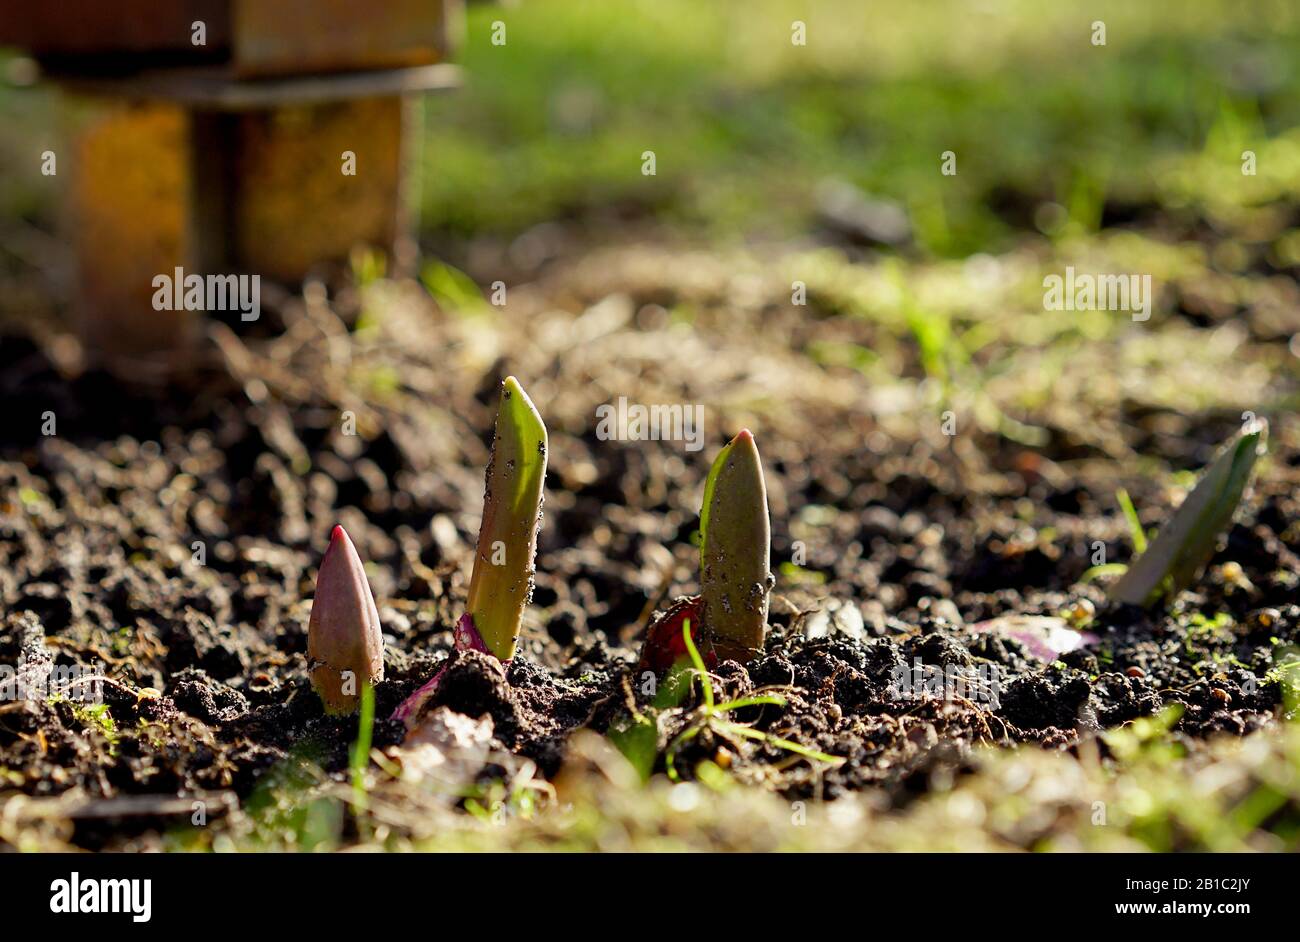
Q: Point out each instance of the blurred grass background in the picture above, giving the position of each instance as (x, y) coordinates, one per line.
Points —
(745, 125)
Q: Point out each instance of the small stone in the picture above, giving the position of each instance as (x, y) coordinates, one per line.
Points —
(1235, 577)
(1080, 613)
(836, 617)
(447, 747)
(1135, 672)
(1265, 618)
(947, 610)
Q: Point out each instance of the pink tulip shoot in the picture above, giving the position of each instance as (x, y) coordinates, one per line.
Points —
(1187, 541)
(345, 647)
(502, 583)
(730, 614)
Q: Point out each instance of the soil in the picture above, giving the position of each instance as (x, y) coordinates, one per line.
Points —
(170, 541)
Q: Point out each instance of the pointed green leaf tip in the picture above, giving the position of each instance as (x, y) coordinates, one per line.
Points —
(1186, 543)
(502, 582)
(345, 646)
(736, 544)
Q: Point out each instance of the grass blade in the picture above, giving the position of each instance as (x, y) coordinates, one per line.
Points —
(1135, 530)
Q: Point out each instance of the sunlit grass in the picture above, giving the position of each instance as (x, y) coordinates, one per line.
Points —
(745, 124)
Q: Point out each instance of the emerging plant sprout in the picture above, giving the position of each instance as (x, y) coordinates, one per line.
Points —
(734, 550)
(735, 581)
(502, 582)
(345, 648)
(1185, 544)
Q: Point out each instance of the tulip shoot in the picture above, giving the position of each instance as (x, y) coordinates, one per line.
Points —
(730, 614)
(502, 583)
(345, 647)
(734, 551)
(1185, 544)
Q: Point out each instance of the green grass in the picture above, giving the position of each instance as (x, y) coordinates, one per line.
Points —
(1136, 533)
(1153, 793)
(359, 757)
(744, 124)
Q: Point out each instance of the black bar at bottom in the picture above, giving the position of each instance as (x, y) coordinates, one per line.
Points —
(367, 890)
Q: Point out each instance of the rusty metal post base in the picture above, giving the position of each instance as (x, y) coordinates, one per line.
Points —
(131, 220)
(216, 177)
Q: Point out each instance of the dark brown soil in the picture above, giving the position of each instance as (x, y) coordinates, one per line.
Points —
(207, 661)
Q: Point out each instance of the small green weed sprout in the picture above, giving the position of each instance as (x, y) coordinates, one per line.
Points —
(715, 717)
(359, 756)
(1136, 534)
